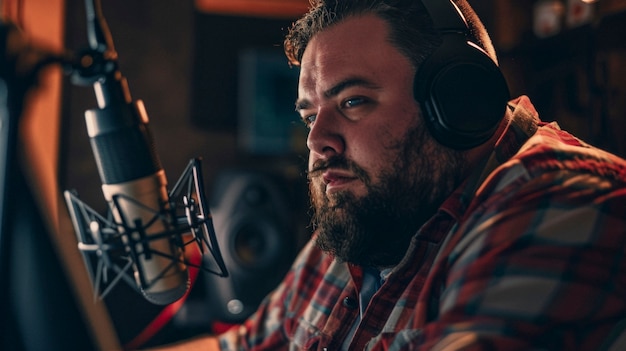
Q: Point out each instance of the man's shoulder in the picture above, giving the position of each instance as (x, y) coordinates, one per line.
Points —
(554, 160)
(551, 149)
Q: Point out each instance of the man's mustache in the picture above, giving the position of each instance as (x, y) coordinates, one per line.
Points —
(337, 162)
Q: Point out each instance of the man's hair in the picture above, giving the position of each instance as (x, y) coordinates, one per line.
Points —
(410, 25)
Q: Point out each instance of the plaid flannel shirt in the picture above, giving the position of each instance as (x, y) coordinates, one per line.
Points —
(527, 254)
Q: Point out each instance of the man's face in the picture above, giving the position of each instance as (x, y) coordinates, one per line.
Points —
(375, 174)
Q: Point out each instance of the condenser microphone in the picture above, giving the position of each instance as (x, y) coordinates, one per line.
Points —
(135, 186)
(133, 180)
(145, 231)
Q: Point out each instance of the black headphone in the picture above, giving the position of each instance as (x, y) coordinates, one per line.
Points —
(461, 90)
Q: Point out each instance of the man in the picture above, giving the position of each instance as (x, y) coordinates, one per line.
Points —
(438, 230)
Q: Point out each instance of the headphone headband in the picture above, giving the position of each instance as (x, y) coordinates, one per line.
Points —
(446, 16)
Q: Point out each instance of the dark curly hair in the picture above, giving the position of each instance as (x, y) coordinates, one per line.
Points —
(411, 27)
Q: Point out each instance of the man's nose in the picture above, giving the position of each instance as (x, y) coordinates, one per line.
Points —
(325, 135)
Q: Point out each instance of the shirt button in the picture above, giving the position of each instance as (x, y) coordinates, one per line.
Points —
(350, 303)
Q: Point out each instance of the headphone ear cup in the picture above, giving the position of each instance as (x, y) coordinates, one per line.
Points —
(462, 92)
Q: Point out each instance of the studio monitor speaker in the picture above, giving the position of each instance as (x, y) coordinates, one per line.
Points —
(253, 220)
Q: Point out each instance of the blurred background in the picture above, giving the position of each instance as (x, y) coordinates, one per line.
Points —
(216, 85)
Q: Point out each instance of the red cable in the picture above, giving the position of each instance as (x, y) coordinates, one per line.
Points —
(169, 311)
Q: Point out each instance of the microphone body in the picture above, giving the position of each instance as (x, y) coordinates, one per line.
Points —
(135, 186)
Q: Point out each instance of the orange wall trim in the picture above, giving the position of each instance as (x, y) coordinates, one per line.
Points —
(258, 8)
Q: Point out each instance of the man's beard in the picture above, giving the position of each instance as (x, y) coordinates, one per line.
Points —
(376, 229)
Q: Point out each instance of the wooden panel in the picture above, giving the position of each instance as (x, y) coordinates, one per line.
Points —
(43, 24)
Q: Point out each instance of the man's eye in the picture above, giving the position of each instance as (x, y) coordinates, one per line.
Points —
(309, 120)
(353, 102)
